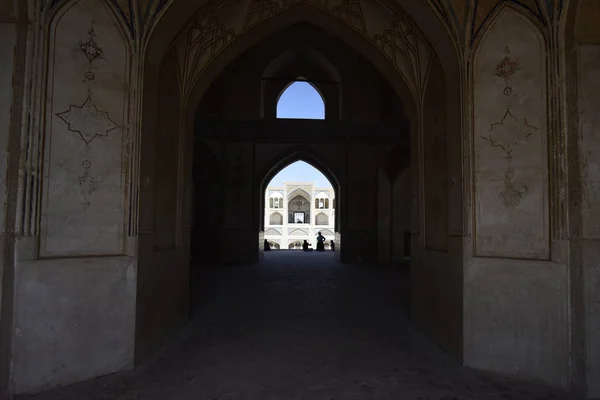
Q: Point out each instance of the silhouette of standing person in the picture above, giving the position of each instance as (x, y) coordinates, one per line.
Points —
(320, 242)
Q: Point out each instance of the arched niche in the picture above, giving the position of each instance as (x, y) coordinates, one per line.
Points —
(512, 160)
(321, 219)
(510, 139)
(276, 219)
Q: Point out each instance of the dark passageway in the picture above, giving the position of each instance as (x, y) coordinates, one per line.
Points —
(301, 326)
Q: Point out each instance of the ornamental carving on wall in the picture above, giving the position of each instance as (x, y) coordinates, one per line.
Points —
(210, 33)
(87, 121)
(506, 135)
(505, 69)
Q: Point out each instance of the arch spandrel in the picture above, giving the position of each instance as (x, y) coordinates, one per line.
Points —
(212, 29)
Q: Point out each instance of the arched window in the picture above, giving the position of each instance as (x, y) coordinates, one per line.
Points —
(276, 201)
(322, 219)
(333, 204)
(300, 100)
(276, 219)
(321, 201)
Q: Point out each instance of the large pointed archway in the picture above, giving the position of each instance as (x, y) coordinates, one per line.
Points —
(317, 210)
(417, 84)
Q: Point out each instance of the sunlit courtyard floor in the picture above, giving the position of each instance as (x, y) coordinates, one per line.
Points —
(301, 326)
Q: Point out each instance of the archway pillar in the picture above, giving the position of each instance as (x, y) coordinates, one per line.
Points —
(16, 34)
(517, 306)
(240, 227)
(359, 204)
(579, 41)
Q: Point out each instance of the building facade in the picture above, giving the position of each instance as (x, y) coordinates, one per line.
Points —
(297, 212)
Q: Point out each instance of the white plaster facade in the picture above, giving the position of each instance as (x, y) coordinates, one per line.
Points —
(283, 206)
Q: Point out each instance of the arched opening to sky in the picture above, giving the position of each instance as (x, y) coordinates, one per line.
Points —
(300, 100)
(300, 171)
(299, 203)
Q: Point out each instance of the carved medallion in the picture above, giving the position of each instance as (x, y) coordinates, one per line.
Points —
(509, 132)
(505, 69)
(87, 183)
(90, 48)
(88, 121)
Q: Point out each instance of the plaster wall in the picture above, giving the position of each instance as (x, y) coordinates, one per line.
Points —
(74, 320)
(162, 294)
(589, 120)
(516, 318)
(436, 294)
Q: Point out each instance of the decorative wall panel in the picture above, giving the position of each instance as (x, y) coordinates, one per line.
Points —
(510, 136)
(86, 119)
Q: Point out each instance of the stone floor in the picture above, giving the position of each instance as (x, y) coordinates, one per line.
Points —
(301, 326)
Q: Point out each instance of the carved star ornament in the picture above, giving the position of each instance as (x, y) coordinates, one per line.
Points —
(88, 121)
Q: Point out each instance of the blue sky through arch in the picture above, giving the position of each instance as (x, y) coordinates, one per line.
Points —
(301, 100)
(300, 171)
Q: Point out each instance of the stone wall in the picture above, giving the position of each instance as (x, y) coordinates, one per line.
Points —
(74, 320)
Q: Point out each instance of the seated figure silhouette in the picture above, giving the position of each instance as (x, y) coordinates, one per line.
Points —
(320, 242)
(267, 245)
(306, 246)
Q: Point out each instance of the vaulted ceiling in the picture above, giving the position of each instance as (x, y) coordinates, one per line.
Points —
(464, 18)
